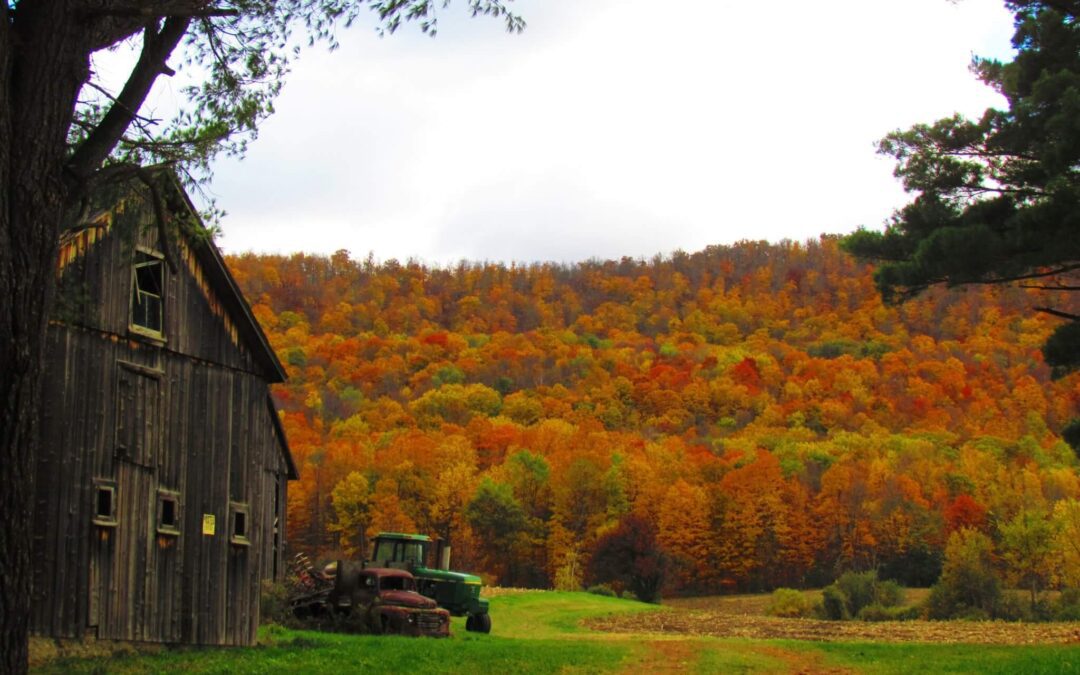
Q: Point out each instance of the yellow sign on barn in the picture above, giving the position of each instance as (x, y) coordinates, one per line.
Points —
(209, 523)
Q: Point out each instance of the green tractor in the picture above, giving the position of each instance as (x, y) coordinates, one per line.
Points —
(455, 591)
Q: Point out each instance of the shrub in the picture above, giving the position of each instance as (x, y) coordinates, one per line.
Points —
(888, 594)
(860, 589)
(857, 590)
(877, 612)
(602, 589)
(1009, 607)
(971, 614)
(834, 603)
(788, 602)
(1067, 606)
(274, 604)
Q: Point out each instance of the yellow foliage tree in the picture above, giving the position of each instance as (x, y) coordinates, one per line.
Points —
(351, 498)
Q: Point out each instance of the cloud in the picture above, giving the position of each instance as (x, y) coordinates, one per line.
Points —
(608, 128)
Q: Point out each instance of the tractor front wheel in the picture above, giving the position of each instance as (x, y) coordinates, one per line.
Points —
(478, 623)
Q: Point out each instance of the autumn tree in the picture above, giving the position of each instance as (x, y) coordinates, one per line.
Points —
(580, 500)
(964, 512)
(684, 535)
(629, 557)
(969, 586)
(388, 510)
(1027, 548)
(352, 509)
(498, 520)
(528, 475)
(448, 497)
(1066, 521)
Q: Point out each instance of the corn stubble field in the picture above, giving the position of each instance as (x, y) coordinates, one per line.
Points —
(553, 632)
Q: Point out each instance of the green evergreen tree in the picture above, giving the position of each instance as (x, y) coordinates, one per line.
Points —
(997, 200)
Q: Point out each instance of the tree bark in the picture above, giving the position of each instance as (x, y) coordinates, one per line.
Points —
(41, 71)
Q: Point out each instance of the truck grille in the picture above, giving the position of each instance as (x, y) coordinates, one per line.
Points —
(429, 621)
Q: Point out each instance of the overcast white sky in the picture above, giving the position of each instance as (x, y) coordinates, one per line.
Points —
(608, 128)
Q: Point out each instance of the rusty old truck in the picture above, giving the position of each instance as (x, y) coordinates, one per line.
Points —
(381, 599)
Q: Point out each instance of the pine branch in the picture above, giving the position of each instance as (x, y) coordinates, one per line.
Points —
(160, 215)
(1034, 275)
(109, 95)
(158, 10)
(1057, 313)
(1039, 287)
(157, 47)
(122, 171)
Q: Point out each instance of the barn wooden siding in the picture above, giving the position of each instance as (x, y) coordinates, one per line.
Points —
(187, 418)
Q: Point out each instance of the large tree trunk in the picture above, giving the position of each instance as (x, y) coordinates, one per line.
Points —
(39, 80)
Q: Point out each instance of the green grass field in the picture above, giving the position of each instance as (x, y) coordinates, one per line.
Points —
(540, 632)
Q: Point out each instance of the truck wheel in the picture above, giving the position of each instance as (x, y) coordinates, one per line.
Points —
(376, 623)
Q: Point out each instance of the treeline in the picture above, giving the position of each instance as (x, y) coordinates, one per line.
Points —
(756, 405)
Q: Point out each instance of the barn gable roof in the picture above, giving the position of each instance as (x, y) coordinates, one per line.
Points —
(229, 293)
(210, 270)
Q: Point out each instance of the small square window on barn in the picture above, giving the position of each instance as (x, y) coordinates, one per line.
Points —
(239, 523)
(168, 514)
(148, 294)
(105, 503)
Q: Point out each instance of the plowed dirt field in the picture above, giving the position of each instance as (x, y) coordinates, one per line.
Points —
(744, 617)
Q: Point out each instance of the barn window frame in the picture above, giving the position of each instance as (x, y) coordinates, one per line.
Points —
(147, 308)
(168, 503)
(239, 523)
(109, 515)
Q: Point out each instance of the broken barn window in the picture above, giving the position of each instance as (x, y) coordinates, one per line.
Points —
(147, 294)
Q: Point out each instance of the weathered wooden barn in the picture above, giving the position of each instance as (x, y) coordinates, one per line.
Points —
(161, 479)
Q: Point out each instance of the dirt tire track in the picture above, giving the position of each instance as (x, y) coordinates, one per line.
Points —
(665, 656)
(801, 663)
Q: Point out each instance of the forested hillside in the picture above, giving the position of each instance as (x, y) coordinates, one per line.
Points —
(755, 405)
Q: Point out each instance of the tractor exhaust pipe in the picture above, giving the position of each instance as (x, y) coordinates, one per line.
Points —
(444, 557)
